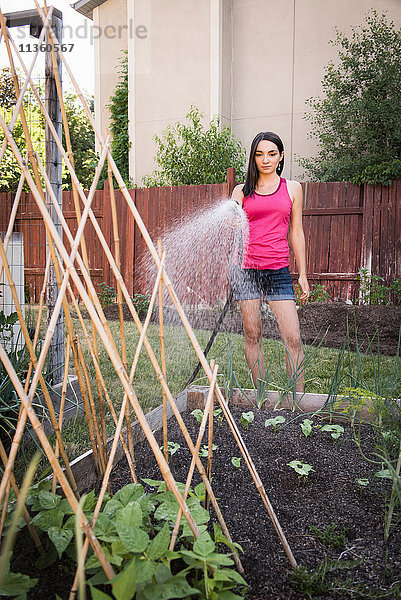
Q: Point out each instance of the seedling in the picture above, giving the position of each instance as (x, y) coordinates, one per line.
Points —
(275, 422)
(198, 414)
(329, 537)
(363, 483)
(204, 451)
(172, 447)
(303, 469)
(306, 427)
(335, 430)
(218, 413)
(236, 461)
(247, 418)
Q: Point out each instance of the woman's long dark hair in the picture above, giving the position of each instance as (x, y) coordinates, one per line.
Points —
(252, 175)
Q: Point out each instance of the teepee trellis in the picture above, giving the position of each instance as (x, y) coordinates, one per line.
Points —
(72, 285)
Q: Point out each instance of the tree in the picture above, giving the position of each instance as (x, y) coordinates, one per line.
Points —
(189, 154)
(358, 121)
(82, 138)
(81, 133)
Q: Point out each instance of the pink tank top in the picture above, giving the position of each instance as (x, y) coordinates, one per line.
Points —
(268, 217)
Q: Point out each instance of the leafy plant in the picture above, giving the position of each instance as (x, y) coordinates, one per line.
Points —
(204, 451)
(318, 293)
(141, 303)
(306, 427)
(275, 422)
(172, 447)
(133, 528)
(335, 430)
(363, 482)
(303, 469)
(189, 154)
(373, 289)
(236, 461)
(198, 414)
(247, 418)
(107, 294)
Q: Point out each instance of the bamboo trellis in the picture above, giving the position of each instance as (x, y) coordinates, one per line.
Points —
(75, 287)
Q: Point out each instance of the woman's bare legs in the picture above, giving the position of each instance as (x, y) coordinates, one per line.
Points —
(252, 321)
(287, 319)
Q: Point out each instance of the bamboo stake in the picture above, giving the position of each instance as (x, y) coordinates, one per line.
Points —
(54, 462)
(197, 447)
(163, 359)
(25, 513)
(130, 441)
(79, 366)
(210, 441)
(102, 383)
(62, 404)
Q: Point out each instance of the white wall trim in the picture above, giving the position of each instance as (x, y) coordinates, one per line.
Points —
(131, 90)
(215, 57)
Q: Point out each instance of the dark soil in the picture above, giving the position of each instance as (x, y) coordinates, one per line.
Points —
(372, 326)
(330, 495)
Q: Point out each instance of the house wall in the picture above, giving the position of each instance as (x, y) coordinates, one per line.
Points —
(108, 49)
(255, 62)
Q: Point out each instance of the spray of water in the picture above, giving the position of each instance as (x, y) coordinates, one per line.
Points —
(200, 252)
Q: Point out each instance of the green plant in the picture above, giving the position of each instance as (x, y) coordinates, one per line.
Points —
(172, 447)
(357, 123)
(318, 293)
(306, 427)
(335, 430)
(141, 303)
(329, 537)
(363, 482)
(107, 294)
(198, 414)
(236, 461)
(189, 154)
(373, 289)
(204, 451)
(275, 422)
(303, 469)
(133, 528)
(247, 418)
(316, 583)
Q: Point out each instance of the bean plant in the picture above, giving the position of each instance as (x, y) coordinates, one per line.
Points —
(134, 530)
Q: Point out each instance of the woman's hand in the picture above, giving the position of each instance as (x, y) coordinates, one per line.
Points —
(303, 282)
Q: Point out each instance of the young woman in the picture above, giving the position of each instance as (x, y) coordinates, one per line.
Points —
(272, 205)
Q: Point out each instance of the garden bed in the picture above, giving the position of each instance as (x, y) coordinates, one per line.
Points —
(316, 318)
(362, 563)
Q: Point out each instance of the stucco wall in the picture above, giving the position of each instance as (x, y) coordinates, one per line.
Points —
(109, 20)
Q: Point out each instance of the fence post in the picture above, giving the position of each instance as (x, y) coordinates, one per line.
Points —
(230, 180)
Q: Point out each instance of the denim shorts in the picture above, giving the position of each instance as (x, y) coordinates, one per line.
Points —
(271, 284)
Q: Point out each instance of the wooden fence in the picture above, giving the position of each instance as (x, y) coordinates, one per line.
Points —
(346, 228)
